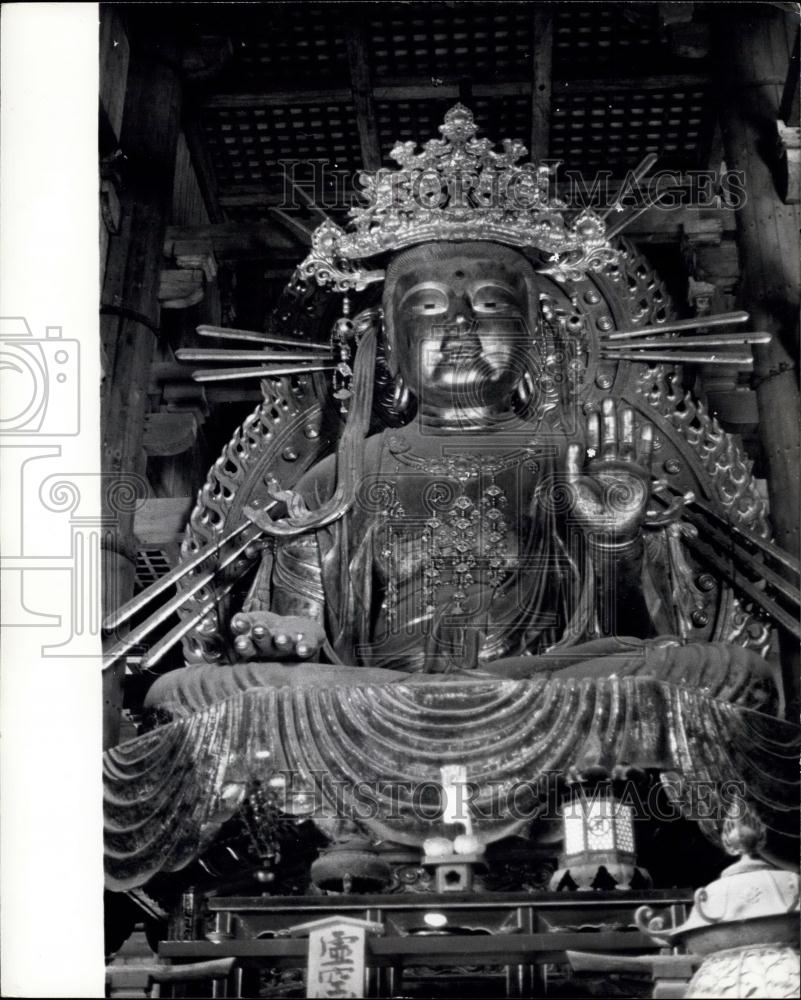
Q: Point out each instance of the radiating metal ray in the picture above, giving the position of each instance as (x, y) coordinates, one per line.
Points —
(214, 354)
(769, 548)
(309, 202)
(743, 584)
(126, 611)
(157, 652)
(229, 374)
(743, 360)
(136, 635)
(639, 172)
(224, 333)
(717, 319)
(726, 546)
(294, 225)
(621, 224)
(702, 340)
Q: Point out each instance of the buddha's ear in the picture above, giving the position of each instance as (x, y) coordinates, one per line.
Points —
(533, 289)
(388, 334)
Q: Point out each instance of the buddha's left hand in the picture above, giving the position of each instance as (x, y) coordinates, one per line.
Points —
(609, 483)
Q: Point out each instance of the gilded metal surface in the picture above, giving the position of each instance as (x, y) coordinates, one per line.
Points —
(450, 589)
(629, 293)
(457, 188)
(287, 423)
(707, 459)
(167, 791)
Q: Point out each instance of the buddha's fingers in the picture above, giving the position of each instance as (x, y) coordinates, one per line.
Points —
(283, 643)
(240, 624)
(593, 434)
(262, 639)
(244, 647)
(574, 461)
(609, 430)
(627, 433)
(645, 446)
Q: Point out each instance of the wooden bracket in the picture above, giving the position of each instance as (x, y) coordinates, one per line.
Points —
(700, 295)
(169, 433)
(185, 285)
(787, 170)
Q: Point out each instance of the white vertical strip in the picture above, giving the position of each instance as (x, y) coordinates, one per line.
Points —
(51, 861)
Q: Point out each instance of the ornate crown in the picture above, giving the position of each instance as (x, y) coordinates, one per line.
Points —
(457, 188)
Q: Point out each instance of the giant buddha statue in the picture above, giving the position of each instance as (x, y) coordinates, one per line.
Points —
(480, 538)
(491, 558)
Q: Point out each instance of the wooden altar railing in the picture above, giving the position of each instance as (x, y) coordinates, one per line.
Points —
(517, 933)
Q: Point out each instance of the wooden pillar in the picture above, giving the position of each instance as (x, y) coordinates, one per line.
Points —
(542, 58)
(358, 47)
(754, 46)
(130, 304)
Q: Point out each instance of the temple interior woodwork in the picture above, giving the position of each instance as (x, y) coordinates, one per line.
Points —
(450, 401)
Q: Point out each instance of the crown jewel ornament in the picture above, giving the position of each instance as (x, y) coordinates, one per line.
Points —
(458, 188)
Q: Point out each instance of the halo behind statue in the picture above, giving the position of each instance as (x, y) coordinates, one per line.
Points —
(286, 435)
(617, 336)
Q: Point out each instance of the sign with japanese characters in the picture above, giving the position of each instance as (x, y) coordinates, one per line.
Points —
(337, 949)
(336, 961)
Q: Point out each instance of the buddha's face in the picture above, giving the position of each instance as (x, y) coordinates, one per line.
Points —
(459, 327)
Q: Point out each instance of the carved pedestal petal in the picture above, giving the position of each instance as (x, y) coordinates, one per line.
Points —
(518, 733)
(768, 970)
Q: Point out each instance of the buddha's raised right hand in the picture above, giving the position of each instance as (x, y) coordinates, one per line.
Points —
(262, 635)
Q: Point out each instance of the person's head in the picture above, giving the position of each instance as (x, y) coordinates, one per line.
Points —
(459, 319)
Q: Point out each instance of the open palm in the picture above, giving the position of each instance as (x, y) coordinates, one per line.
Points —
(609, 481)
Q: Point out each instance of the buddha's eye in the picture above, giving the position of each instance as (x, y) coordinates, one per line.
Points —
(494, 299)
(426, 300)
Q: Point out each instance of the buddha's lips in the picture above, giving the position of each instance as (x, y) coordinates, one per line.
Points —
(459, 352)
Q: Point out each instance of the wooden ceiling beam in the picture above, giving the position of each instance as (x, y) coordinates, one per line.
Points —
(296, 227)
(202, 165)
(230, 241)
(542, 59)
(362, 90)
(423, 89)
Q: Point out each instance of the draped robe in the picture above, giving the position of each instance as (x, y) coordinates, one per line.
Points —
(528, 606)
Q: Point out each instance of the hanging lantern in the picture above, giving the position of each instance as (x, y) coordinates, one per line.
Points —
(598, 848)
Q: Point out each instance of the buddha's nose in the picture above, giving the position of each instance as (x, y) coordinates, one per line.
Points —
(461, 312)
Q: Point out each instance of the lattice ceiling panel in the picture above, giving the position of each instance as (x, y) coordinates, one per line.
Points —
(401, 121)
(417, 47)
(246, 144)
(476, 41)
(613, 130)
(609, 39)
(503, 117)
(286, 45)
